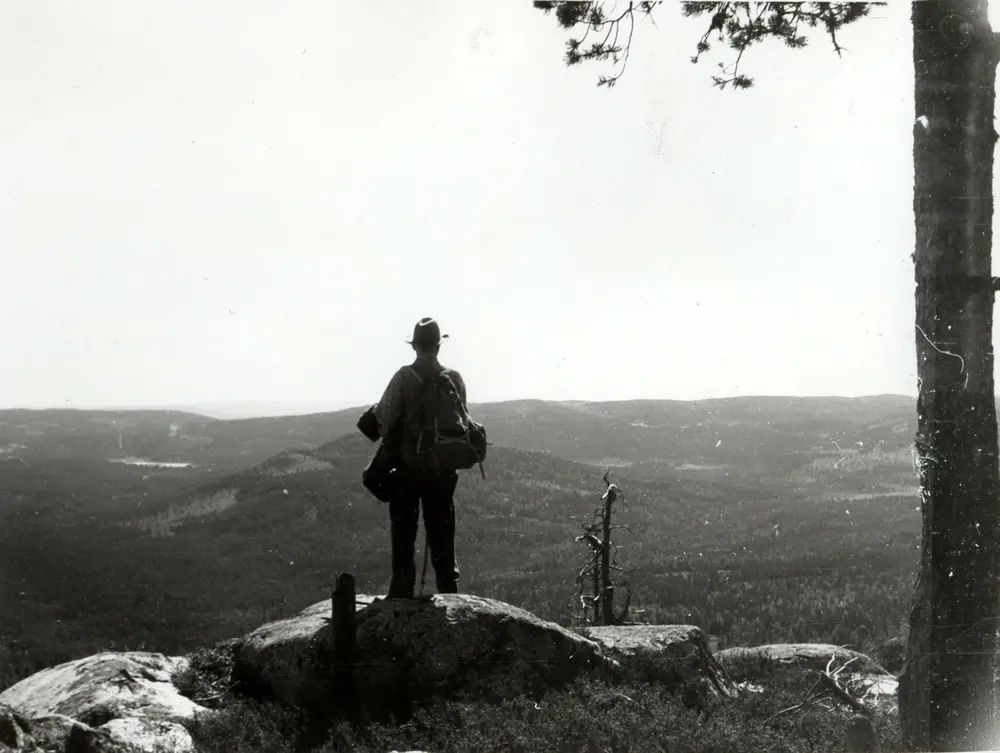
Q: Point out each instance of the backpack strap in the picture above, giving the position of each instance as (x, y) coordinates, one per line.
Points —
(425, 385)
(458, 396)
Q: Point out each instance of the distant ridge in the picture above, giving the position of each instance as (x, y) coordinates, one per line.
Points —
(281, 408)
(10, 414)
(269, 408)
(222, 411)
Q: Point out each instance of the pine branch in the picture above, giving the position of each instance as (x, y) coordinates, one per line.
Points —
(731, 22)
(592, 16)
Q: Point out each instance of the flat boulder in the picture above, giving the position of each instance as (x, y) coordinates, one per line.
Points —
(800, 656)
(465, 644)
(677, 655)
(446, 645)
(106, 686)
(276, 659)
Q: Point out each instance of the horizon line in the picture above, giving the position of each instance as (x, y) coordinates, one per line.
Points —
(194, 407)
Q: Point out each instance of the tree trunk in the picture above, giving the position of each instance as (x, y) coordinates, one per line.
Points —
(596, 575)
(607, 590)
(947, 697)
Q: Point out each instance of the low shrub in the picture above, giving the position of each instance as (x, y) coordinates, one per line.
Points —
(588, 715)
(207, 680)
(246, 726)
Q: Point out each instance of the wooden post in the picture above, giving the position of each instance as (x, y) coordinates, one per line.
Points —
(344, 642)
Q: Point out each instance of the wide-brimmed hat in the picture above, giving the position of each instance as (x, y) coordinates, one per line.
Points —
(426, 332)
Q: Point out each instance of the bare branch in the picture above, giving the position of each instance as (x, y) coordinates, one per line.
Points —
(828, 686)
(590, 564)
(844, 696)
(845, 666)
(623, 527)
(630, 700)
(833, 656)
(628, 571)
(216, 696)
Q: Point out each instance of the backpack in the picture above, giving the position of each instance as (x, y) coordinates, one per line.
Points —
(439, 433)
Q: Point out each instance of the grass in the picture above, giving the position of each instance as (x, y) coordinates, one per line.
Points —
(589, 715)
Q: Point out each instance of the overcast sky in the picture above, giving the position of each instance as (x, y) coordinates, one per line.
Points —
(250, 201)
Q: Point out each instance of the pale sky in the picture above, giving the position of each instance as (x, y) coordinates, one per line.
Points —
(250, 201)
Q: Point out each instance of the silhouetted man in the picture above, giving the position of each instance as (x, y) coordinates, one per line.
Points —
(434, 488)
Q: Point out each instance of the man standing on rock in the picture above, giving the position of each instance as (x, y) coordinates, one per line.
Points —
(421, 395)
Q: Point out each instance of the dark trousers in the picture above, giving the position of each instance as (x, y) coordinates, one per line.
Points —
(437, 494)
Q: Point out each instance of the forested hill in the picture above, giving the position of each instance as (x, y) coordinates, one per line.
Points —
(101, 554)
(763, 433)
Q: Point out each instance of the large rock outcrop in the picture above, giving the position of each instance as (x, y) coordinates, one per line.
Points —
(109, 701)
(446, 645)
(677, 655)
